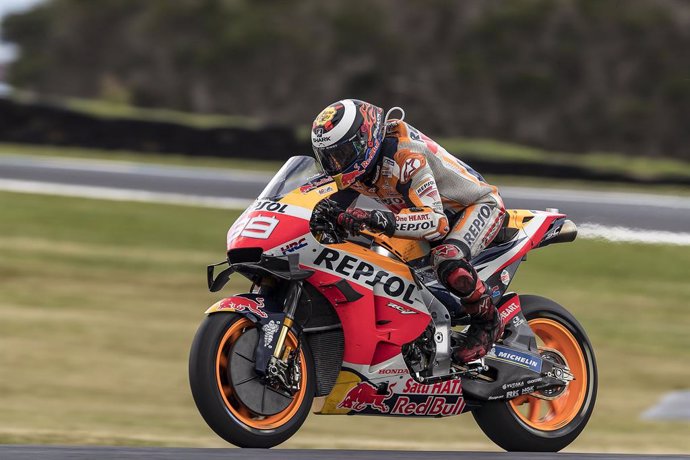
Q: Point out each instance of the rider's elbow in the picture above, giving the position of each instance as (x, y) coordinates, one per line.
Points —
(440, 230)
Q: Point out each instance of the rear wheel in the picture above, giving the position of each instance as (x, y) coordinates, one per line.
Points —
(235, 402)
(549, 423)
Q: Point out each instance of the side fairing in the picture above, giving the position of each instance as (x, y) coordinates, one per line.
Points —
(389, 312)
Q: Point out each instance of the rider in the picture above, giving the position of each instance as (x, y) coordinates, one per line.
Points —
(431, 195)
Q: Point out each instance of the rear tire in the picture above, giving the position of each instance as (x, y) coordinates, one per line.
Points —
(566, 416)
(213, 393)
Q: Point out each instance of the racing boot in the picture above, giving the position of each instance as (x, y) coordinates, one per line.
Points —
(485, 323)
(485, 329)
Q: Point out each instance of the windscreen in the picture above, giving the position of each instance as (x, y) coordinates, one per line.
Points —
(296, 172)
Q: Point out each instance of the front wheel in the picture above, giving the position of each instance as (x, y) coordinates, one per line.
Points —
(528, 423)
(233, 400)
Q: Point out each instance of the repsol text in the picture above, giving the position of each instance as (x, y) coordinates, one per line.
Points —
(353, 268)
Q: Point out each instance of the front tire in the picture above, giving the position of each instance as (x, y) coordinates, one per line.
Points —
(530, 424)
(212, 388)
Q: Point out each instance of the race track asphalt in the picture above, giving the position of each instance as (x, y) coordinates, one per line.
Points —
(632, 210)
(11, 452)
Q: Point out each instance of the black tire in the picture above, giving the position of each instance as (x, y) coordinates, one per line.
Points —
(499, 421)
(210, 402)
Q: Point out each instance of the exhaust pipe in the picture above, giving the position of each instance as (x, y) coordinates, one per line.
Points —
(567, 234)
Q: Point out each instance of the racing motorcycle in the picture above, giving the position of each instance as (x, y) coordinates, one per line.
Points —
(362, 324)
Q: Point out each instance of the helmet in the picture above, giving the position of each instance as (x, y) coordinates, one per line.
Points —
(346, 136)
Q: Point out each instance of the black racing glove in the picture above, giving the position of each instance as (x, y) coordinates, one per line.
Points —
(327, 209)
(353, 220)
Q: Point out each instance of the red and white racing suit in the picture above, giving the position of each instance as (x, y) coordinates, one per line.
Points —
(434, 195)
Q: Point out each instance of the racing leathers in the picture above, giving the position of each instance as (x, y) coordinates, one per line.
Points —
(434, 196)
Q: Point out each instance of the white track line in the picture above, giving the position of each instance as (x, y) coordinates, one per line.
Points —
(632, 235)
(584, 196)
(133, 168)
(262, 177)
(585, 230)
(118, 194)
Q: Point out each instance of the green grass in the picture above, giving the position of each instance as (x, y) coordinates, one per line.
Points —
(99, 302)
(108, 109)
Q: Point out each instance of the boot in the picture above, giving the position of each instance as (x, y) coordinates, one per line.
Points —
(485, 323)
(485, 329)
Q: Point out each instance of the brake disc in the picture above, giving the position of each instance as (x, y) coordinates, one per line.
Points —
(557, 357)
(249, 387)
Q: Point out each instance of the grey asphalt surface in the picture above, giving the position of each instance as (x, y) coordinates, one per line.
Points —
(112, 453)
(633, 210)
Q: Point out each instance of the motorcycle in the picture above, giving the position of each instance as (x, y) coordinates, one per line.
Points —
(362, 324)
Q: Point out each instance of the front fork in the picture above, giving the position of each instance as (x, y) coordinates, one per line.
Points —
(291, 302)
(278, 365)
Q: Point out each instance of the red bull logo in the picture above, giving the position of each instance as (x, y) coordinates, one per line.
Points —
(244, 304)
(431, 406)
(366, 395)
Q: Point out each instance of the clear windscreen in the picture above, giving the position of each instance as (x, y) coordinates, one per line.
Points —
(296, 172)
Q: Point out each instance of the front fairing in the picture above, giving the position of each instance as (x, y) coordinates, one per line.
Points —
(278, 221)
(279, 227)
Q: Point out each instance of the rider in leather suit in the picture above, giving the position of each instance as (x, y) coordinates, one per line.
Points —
(431, 195)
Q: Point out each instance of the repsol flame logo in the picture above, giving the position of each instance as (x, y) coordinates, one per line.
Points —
(353, 268)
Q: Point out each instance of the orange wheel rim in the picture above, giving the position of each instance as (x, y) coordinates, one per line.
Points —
(550, 415)
(232, 403)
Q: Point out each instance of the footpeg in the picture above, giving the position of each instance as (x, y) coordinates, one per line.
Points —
(473, 369)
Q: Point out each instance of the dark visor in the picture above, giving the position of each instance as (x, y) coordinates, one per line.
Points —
(337, 158)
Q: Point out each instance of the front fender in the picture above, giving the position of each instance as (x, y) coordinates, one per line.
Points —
(266, 313)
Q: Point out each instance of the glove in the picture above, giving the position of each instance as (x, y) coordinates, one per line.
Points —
(354, 219)
(327, 209)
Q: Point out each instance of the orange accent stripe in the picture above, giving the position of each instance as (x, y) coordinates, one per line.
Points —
(389, 265)
(465, 217)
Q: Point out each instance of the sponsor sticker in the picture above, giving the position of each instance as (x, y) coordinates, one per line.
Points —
(271, 206)
(505, 277)
(315, 184)
(363, 272)
(527, 390)
(518, 358)
(447, 251)
(508, 311)
(401, 309)
(423, 189)
(409, 167)
(388, 165)
(433, 405)
(269, 331)
(449, 387)
(393, 371)
(293, 246)
(365, 395)
(243, 303)
(512, 385)
(478, 224)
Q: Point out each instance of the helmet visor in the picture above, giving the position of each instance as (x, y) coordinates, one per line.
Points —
(335, 159)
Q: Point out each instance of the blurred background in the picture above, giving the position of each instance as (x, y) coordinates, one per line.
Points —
(133, 133)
